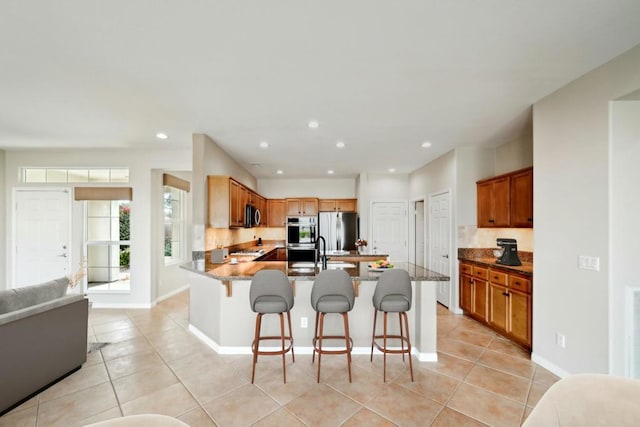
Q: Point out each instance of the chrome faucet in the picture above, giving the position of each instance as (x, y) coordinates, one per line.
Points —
(323, 257)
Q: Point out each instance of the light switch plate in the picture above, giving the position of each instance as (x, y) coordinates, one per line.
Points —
(589, 263)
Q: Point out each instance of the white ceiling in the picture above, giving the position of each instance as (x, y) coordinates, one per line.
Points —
(382, 76)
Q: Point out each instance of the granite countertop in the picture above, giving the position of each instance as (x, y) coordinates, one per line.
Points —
(246, 270)
(485, 257)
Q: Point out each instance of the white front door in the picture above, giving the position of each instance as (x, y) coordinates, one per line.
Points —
(42, 224)
(440, 242)
(389, 229)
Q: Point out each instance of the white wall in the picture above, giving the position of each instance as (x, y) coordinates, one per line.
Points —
(320, 188)
(625, 227)
(571, 209)
(514, 155)
(140, 164)
(472, 165)
(3, 226)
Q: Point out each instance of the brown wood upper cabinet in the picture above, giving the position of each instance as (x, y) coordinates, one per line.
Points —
(337, 205)
(227, 199)
(522, 198)
(276, 216)
(506, 200)
(302, 207)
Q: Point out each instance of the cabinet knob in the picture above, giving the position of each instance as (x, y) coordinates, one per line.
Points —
(492, 220)
(505, 294)
(530, 219)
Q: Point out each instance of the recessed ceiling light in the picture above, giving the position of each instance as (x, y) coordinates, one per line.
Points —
(340, 144)
(392, 170)
(426, 144)
(279, 171)
(161, 135)
(264, 144)
(330, 171)
(313, 124)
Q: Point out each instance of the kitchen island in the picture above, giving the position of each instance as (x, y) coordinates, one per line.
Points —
(221, 317)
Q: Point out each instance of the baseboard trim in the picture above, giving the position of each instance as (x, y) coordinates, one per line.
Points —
(172, 293)
(120, 305)
(549, 366)
(244, 350)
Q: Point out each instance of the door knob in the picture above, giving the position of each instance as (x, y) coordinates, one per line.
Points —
(445, 256)
(63, 255)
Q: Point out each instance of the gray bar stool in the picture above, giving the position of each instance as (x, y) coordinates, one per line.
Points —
(271, 293)
(332, 292)
(392, 295)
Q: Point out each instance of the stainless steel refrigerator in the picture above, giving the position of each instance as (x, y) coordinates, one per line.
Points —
(340, 230)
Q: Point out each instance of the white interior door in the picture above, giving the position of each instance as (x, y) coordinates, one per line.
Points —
(42, 219)
(419, 234)
(389, 229)
(440, 242)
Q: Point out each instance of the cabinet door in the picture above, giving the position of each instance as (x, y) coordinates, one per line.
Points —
(346, 205)
(498, 306)
(522, 199)
(325, 205)
(480, 298)
(309, 207)
(501, 202)
(282, 254)
(485, 210)
(235, 198)
(276, 216)
(293, 207)
(218, 199)
(520, 317)
(466, 293)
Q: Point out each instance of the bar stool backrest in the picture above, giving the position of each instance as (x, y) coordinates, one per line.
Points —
(270, 283)
(392, 282)
(333, 283)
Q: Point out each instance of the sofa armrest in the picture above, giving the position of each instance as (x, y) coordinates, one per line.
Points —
(12, 316)
(588, 399)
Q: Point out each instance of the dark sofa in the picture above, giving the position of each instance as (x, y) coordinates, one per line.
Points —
(43, 338)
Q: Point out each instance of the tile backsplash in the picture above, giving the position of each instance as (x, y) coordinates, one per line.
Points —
(215, 237)
(470, 236)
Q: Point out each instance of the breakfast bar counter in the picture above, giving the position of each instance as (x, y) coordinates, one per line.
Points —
(221, 317)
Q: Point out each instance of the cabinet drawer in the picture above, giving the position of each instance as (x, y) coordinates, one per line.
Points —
(498, 278)
(466, 269)
(480, 272)
(520, 284)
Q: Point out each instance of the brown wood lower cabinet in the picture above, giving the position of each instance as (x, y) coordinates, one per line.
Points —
(499, 298)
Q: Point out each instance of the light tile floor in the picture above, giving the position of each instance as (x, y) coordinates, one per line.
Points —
(154, 365)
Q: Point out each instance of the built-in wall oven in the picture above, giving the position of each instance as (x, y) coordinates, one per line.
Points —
(301, 238)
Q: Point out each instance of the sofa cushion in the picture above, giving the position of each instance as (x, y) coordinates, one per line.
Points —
(18, 298)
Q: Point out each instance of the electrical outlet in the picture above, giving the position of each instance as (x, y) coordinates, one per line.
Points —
(560, 340)
(304, 322)
(589, 263)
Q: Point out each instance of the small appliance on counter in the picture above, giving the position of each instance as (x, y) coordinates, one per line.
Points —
(509, 252)
(218, 256)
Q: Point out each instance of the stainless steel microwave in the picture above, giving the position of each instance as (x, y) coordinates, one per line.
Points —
(251, 216)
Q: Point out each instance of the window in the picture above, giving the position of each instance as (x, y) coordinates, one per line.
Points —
(174, 226)
(108, 245)
(75, 175)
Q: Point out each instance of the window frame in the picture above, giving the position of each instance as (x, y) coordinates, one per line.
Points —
(88, 243)
(181, 257)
